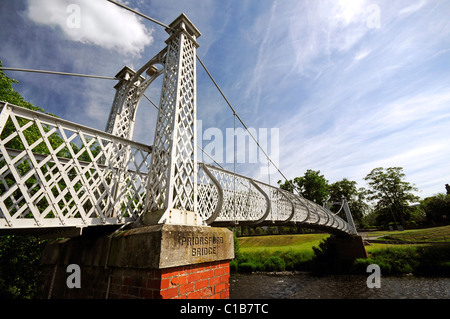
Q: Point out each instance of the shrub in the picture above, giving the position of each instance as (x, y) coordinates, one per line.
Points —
(233, 266)
(247, 267)
(274, 263)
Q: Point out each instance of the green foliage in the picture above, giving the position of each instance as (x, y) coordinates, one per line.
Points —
(274, 263)
(234, 266)
(247, 267)
(388, 189)
(420, 260)
(324, 259)
(8, 94)
(392, 194)
(437, 208)
(356, 198)
(265, 260)
(294, 260)
(312, 186)
(237, 251)
(20, 255)
(20, 266)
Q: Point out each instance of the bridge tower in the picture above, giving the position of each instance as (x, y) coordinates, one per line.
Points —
(167, 252)
(173, 177)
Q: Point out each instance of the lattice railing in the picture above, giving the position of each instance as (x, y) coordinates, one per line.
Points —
(227, 198)
(55, 173)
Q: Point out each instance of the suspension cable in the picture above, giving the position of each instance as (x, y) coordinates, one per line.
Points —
(59, 73)
(238, 117)
(140, 14)
(235, 115)
(212, 79)
(153, 103)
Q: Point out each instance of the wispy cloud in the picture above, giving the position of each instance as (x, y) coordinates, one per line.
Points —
(361, 54)
(94, 22)
(413, 8)
(351, 84)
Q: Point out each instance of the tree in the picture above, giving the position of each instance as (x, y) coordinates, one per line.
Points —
(437, 208)
(8, 94)
(355, 197)
(288, 185)
(313, 186)
(392, 194)
(19, 255)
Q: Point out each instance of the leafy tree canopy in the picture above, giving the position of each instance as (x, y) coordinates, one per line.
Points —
(8, 94)
(390, 192)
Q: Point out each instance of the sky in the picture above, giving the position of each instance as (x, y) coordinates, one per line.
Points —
(340, 86)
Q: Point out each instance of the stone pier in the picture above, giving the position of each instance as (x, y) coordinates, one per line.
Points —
(349, 247)
(153, 262)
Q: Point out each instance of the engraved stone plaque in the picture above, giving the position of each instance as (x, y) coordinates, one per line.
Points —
(163, 246)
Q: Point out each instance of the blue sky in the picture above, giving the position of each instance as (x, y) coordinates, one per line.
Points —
(351, 85)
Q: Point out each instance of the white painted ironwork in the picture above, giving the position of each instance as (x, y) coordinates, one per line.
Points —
(55, 173)
(243, 201)
(173, 176)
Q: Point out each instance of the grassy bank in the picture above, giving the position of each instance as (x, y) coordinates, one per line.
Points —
(282, 243)
(276, 252)
(432, 235)
(295, 252)
(429, 259)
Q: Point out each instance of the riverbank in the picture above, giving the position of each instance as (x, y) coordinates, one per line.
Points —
(296, 253)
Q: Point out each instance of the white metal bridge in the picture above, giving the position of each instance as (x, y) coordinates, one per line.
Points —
(60, 175)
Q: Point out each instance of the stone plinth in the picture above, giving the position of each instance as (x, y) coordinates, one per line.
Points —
(158, 262)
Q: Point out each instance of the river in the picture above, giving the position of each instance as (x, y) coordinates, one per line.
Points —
(305, 286)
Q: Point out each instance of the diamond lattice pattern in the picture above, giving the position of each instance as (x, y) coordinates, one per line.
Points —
(173, 173)
(54, 172)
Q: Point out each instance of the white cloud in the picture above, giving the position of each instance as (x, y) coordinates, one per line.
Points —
(413, 8)
(361, 55)
(349, 10)
(93, 21)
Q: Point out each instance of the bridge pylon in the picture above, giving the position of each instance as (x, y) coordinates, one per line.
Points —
(168, 252)
(172, 185)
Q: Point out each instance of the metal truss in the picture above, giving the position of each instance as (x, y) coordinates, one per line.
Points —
(229, 199)
(173, 175)
(55, 173)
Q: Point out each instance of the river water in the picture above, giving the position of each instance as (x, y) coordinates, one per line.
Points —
(305, 286)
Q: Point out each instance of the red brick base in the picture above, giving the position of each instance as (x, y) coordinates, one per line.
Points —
(199, 281)
(145, 263)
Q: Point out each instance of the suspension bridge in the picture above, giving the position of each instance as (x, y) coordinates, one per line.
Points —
(56, 174)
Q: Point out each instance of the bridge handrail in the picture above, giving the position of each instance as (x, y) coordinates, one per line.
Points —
(110, 187)
(288, 212)
(27, 113)
(102, 181)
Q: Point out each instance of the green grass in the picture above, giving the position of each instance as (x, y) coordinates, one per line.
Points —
(282, 243)
(435, 234)
(419, 259)
(276, 252)
(294, 252)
